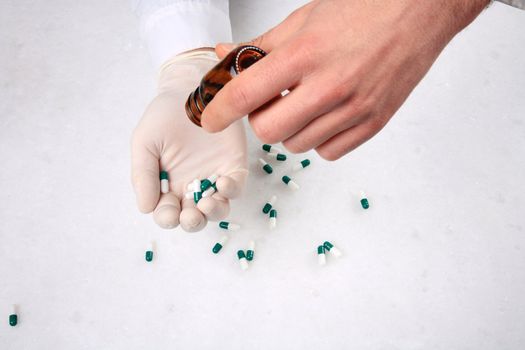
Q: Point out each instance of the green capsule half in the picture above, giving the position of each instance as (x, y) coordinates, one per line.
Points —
(197, 196)
(286, 179)
(268, 168)
(327, 245)
(320, 249)
(364, 203)
(224, 224)
(273, 213)
(13, 320)
(149, 255)
(241, 255)
(266, 147)
(305, 163)
(216, 248)
(205, 184)
(281, 157)
(249, 255)
(164, 175)
(266, 208)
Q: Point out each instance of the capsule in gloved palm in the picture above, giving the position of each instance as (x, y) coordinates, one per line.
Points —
(149, 252)
(364, 201)
(208, 182)
(164, 182)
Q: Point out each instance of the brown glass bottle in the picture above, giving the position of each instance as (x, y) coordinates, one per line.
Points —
(235, 62)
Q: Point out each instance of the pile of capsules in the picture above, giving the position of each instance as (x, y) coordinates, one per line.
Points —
(199, 189)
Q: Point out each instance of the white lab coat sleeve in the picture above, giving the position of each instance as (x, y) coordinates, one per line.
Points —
(170, 27)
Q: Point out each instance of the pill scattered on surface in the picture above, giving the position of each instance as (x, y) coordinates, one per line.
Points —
(278, 156)
(321, 256)
(13, 317)
(164, 182)
(251, 251)
(290, 183)
(242, 259)
(268, 206)
(273, 219)
(301, 165)
(229, 226)
(265, 166)
(332, 249)
(149, 252)
(271, 149)
(218, 246)
(364, 200)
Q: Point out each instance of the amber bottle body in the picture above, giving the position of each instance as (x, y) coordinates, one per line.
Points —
(234, 63)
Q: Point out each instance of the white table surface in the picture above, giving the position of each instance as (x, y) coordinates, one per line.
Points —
(437, 262)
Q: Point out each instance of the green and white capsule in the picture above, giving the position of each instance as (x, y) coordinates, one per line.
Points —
(197, 194)
(364, 200)
(149, 252)
(273, 219)
(301, 165)
(206, 183)
(208, 192)
(164, 182)
(268, 206)
(265, 166)
(229, 226)
(218, 246)
(277, 156)
(332, 249)
(271, 149)
(290, 183)
(251, 251)
(242, 260)
(13, 317)
(321, 256)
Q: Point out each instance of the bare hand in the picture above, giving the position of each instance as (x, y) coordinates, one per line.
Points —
(349, 64)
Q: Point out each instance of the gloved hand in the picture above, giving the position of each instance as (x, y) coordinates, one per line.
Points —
(165, 139)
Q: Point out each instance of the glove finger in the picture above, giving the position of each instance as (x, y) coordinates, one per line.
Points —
(231, 185)
(215, 208)
(191, 219)
(144, 175)
(167, 212)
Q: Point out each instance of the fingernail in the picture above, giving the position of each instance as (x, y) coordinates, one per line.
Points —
(227, 46)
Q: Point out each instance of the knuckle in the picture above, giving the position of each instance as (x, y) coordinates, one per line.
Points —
(263, 132)
(329, 153)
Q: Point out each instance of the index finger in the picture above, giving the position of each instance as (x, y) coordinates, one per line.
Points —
(248, 91)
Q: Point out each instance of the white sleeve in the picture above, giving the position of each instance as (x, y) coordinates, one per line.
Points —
(170, 27)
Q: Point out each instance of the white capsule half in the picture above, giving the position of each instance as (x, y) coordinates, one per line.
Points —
(213, 178)
(335, 252)
(188, 195)
(262, 161)
(208, 192)
(164, 186)
(321, 259)
(251, 245)
(233, 227)
(244, 264)
(223, 240)
(272, 223)
(293, 186)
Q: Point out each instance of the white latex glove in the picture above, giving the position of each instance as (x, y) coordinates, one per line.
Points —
(165, 139)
